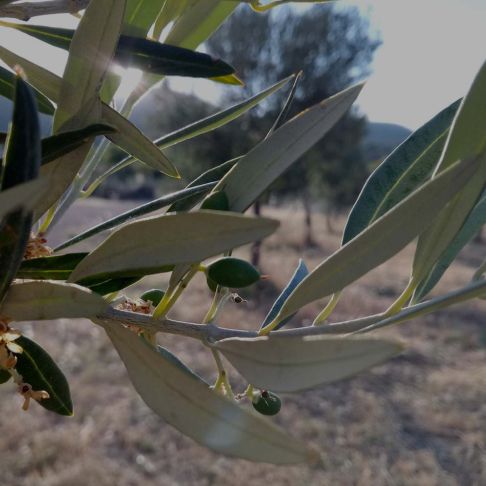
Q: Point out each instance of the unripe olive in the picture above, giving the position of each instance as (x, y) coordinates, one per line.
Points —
(153, 295)
(267, 403)
(211, 284)
(217, 201)
(232, 272)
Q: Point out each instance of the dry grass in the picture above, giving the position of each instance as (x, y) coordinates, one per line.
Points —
(418, 420)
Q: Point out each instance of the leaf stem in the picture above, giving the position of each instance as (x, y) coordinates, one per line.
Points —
(327, 311)
(171, 296)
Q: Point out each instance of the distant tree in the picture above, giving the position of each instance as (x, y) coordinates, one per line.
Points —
(333, 47)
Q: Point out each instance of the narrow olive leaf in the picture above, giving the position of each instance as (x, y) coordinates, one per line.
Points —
(60, 267)
(231, 79)
(473, 224)
(198, 21)
(21, 165)
(403, 171)
(476, 289)
(168, 356)
(171, 10)
(130, 139)
(27, 196)
(56, 146)
(57, 267)
(140, 53)
(41, 79)
(40, 371)
(62, 171)
(268, 160)
(7, 84)
(284, 112)
(219, 119)
(61, 144)
(382, 239)
(4, 376)
(45, 299)
(168, 60)
(213, 174)
(170, 240)
(142, 210)
(90, 54)
(140, 15)
(105, 287)
(189, 405)
(300, 273)
(289, 364)
(202, 126)
(126, 273)
(467, 139)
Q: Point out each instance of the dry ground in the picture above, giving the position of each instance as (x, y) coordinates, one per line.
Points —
(418, 420)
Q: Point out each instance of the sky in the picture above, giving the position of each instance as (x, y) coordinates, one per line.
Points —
(430, 52)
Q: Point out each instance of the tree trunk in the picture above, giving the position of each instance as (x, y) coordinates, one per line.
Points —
(329, 224)
(478, 239)
(256, 247)
(308, 239)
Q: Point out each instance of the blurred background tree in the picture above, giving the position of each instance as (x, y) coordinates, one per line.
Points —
(333, 47)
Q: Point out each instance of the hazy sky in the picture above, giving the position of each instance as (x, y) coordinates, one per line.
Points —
(431, 50)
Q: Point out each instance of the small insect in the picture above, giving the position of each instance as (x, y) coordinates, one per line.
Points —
(237, 299)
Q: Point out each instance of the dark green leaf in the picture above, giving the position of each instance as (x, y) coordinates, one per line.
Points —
(4, 376)
(40, 371)
(108, 286)
(471, 227)
(300, 273)
(7, 89)
(56, 267)
(405, 169)
(144, 54)
(21, 164)
(57, 145)
(59, 267)
(211, 175)
(120, 276)
(217, 201)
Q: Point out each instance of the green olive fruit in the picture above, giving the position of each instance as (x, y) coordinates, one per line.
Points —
(267, 403)
(211, 284)
(153, 295)
(233, 272)
(217, 201)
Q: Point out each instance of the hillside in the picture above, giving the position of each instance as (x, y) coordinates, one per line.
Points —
(382, 138)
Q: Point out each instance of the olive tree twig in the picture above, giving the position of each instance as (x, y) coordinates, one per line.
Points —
(27, 10)
(212, 333)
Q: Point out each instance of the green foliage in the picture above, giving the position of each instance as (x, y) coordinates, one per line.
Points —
(332, 48)
(431, 187)
(40, 371)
